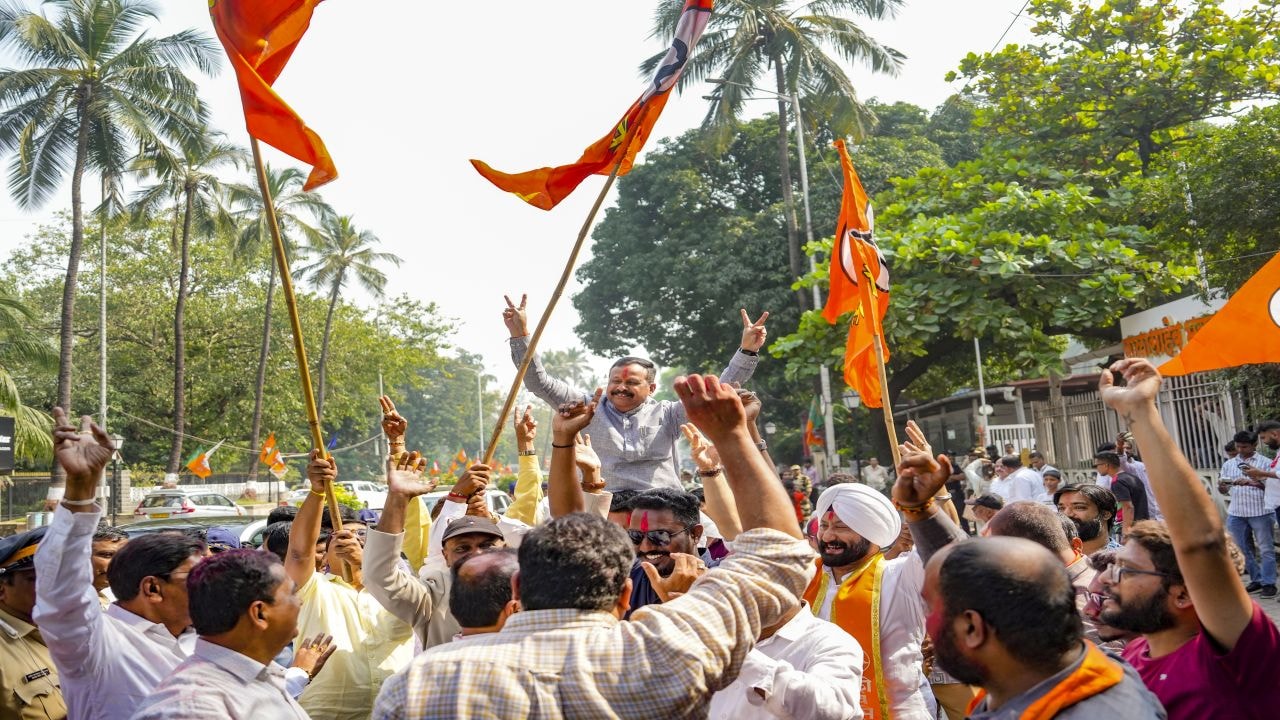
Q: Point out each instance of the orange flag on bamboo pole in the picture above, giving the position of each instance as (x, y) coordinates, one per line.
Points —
(859, 284)
(546, 187)
(1245, 331)
(260, 37)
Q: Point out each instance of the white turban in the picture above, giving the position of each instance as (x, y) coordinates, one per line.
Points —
(864, 510)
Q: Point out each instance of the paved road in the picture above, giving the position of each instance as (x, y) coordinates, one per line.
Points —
(1270, 607)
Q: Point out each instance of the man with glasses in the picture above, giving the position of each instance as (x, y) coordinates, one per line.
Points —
(1207, 649)
(664, 528)
(108, 662)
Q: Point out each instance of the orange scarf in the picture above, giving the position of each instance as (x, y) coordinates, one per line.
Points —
(1096, 673)
(856, 609)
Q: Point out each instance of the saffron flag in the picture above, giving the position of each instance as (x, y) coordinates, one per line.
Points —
(199, 463)
(859, 284)
(461, 458)
(811, 436)
(435, 469)
(1244, 331)
(260, 37)
(546, 187)
(270, 456)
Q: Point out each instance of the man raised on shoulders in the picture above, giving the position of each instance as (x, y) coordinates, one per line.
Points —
(634, 435)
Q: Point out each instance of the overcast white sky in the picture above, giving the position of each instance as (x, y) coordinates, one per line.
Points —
(405, 93)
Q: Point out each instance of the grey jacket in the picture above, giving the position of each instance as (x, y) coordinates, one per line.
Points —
(637, 449)
(424, 603)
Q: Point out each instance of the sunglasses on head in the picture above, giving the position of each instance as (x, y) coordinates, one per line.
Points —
(656, 537)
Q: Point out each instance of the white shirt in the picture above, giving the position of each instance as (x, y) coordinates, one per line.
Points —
(876, 477)
(1246, 500)
(217, 683)
(1021, 484)
(108, 662)
(902, 612)
(808, 670)
(1271, 499)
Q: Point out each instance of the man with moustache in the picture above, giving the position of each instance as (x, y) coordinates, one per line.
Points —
(856, 524)
(1091, 508)
(1269, 435)
(634, 435)
(1207, 649)
(664, 528)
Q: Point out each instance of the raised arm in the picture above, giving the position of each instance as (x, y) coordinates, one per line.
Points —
(1220, 599)
(550, 390)
(528, 492)
(921, 477)
(397, 591)
(299, 561)
(563, 490)
(721, 505)
(743, 363)
(474, 480)
(67, 608)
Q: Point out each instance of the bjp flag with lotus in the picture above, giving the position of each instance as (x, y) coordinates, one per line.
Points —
(260, 37)
(1245, 331)
(546, 187)
(860, 285)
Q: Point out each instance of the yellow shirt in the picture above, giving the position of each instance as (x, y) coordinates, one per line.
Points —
(371, 645)
(28, 679)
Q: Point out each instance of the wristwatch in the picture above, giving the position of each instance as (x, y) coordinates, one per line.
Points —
(752, 353)
(526, 453)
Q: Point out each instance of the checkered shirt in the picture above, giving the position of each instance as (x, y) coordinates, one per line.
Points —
(663, 663)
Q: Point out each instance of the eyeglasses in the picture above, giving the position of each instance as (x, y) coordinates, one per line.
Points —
(1118, 571)
(656, 537)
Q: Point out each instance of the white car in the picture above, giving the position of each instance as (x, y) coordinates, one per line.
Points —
(497, 500)
(369, 494)
(185, 503)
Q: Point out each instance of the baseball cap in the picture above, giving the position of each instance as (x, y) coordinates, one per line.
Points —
(994, 502)
(468, 524)
(220, 539)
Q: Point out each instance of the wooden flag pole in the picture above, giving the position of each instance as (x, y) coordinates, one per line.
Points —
(885, 406)
(299, 348)
(501, 424)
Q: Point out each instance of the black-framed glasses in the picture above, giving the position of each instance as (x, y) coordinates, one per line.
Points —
(656, 537)
(1118, 571)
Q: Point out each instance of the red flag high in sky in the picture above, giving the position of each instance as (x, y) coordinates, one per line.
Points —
(546, 187)
(260, 37)
(859, 284)
(1245, 331)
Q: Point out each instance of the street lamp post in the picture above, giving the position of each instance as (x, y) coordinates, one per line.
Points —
(824, 373)
(118, 440)
(479, 409)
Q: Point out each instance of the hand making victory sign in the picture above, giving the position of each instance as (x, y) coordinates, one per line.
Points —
(516, 318)
(753, 333)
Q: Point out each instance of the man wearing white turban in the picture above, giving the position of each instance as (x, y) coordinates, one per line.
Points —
(878, 601)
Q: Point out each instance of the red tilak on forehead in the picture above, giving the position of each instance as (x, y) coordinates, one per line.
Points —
(626, 371)
(644, 522)
(831, 515)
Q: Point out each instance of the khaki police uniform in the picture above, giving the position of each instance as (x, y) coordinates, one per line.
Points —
(29, 688)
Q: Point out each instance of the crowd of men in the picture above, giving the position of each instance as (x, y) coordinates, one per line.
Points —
(976, 589)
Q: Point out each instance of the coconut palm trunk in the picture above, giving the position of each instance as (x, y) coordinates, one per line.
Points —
(324, 344)
(179, 336)
(264, 350)
(795, 254)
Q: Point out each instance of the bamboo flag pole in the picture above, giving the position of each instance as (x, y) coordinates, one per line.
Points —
(501, 424)
(885, 406)
(299, 348)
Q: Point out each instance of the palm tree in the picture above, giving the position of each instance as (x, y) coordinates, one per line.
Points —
(571, 365)
(745, 38)
(186, 181)
(93, 87)
(338, 251)
(19, 344)
(292, 207)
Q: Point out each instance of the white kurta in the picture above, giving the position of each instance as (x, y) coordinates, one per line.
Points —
(902, 612)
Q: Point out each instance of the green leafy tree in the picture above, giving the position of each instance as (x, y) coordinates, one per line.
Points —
(92, 87)
(1112, 85)
(187, 181)
(1007, 250)
(294, 209)
(803, 45)
(339, 251)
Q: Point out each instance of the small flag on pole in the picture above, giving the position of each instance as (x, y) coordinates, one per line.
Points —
(811, 436)
(545, 187)
(1245, 331)
(199, 463)
(859, 284)
(260, 37)
(270, 456)
(461, 458)
(333, 442)
(435, 469)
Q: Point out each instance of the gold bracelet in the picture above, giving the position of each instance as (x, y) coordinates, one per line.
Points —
(914, 508)
(313, 492)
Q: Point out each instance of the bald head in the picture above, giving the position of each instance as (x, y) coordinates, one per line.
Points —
(1018, 589)
(482, 587)
(1035, 522)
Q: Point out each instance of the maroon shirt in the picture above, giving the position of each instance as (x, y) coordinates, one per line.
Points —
(1199, 680)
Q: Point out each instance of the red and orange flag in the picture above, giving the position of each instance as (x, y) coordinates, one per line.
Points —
(859, 284)
(260, 37)
(1245, 331)
(546, 187)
